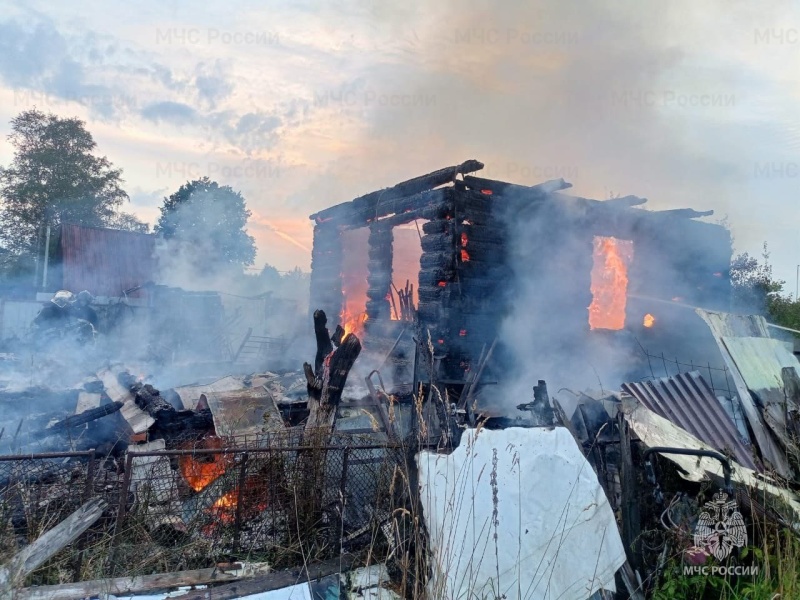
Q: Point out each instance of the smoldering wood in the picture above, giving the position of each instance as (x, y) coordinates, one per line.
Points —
(324, 344)
(166, 418)
(431, 211)
(524, 191)
(85, 417)
(337, 336)
(201, 503)
(326, 392)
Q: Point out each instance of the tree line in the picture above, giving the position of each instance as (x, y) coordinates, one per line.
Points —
(756, 290)
(56, 177)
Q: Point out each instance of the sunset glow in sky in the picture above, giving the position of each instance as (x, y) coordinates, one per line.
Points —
(301, 105)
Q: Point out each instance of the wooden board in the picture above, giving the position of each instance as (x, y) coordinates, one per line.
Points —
(138, 420)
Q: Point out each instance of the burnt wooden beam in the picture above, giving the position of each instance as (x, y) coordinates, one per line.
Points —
(324, 344)
(49, 544)
(683, 213)
(326, 392)
(368, 203)
(631, 519)
(502, 187)
(625, 202)
(438, 210)
(63, 426)
(165, 416)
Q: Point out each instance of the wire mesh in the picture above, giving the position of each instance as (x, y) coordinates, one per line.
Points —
(280, 499)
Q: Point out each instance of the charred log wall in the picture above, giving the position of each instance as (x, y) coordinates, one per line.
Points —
(460, 298)
(326, 269)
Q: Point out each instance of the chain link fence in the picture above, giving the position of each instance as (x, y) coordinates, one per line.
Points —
(281, 499)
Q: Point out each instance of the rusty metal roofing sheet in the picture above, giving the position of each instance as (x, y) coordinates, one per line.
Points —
(687, 401)
(105, 261)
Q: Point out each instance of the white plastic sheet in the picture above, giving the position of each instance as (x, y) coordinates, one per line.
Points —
(518, 513)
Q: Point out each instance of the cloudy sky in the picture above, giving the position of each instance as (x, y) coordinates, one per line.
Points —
(303, 104)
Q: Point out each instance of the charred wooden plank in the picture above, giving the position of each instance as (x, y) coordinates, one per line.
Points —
(324, 345)
(166, 417)
(631, 519)
(49, 544)
(366, 205)
(526, 191)
(325, 395)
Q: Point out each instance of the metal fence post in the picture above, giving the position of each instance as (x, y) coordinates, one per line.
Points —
(121, 509)
(239, 495)
(343, 489)
(87, 494)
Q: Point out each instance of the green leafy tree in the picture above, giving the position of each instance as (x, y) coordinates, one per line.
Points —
(755, 289)
(212, 219)
(55, 177)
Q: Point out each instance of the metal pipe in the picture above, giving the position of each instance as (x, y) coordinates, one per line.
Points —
(783, 328)
(726, 465)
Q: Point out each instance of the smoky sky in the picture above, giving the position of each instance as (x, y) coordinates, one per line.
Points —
(303, 105)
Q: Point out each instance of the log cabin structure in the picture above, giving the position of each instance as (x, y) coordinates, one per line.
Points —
(481, 239)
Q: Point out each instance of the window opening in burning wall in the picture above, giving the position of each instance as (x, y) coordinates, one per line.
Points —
(406, 252)
(355, 269)
(611, 259)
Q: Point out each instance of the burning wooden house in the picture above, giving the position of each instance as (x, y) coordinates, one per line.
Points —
(586, 268)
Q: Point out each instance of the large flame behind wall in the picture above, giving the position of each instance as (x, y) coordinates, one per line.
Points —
(609, 282)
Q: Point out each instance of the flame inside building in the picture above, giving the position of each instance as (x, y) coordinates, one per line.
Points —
(609, 282)
(518, 264)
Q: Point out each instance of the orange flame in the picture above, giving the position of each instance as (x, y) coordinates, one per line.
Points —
(202, 469)
(464, 256)
(352, 323)
(254, 500)
(609, 282)
(224, 509)
(649, 320)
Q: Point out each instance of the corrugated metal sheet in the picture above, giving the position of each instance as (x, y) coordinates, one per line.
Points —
(687, 401)
(105, 261)
(653, 430)
(761, 362)
(724, 325)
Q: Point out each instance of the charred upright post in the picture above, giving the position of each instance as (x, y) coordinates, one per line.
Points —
(326, 382)
(379, 280)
